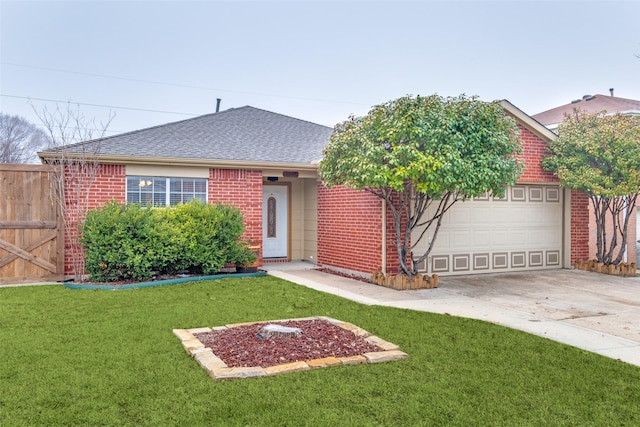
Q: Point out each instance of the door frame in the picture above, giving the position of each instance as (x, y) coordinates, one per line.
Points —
(288, 187)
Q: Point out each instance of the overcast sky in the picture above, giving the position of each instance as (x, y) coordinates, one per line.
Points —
(316, 60)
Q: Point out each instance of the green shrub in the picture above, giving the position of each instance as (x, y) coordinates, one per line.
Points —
(124, 242)
(208, 234)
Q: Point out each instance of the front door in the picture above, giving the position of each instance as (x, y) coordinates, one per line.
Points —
(275, 221)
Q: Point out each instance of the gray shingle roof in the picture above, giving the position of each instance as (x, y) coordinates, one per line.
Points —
(243, 134)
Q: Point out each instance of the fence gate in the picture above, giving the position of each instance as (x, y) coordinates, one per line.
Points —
(31, 230)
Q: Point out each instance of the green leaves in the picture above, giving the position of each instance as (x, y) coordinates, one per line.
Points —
(438, 148)
(597, 154)
(124, 242)
(437, 144)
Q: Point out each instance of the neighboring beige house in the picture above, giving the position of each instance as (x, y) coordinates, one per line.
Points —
(595, 104)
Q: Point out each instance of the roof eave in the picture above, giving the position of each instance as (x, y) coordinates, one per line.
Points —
(532, 124)
(178, 161)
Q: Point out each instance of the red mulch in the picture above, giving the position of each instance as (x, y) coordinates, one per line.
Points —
(241, 346)
(349, 276)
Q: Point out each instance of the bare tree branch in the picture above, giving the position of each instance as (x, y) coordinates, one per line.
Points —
(20, 140)
(74, 166)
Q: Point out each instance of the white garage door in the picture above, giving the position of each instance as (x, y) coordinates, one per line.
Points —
(523, 231)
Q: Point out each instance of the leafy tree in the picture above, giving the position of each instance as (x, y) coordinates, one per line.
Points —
(599, 155)
(423, 154)
(20, 140)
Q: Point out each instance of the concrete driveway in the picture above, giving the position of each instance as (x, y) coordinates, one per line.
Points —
(590, 300)
(592, 311)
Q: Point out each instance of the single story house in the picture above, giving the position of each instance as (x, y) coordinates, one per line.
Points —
(593, 104)
(266, 164)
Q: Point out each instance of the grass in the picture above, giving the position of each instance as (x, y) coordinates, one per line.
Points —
(105, 358)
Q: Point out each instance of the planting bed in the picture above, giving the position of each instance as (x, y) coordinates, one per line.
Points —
(237, 351)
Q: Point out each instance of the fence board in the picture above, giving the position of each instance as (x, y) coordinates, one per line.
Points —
(31, 229)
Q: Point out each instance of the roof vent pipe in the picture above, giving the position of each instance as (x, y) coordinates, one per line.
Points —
(611, 91)
(218, 101)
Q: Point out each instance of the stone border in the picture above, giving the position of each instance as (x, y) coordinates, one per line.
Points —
(218, 370)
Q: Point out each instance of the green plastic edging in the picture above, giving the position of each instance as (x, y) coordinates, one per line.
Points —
(89, 286)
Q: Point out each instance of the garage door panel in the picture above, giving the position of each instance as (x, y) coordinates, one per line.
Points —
(461, 239)
(500, 239)
(481, 238)
(523, 231)
(534, 238)
(481, 215)
(461, 216)
(443, 242)
(518, 215)
(516, 237)
(535, 215)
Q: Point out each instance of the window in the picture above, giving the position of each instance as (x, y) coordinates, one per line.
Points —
(161, 191)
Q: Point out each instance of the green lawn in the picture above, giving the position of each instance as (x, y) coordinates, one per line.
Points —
(78, 358)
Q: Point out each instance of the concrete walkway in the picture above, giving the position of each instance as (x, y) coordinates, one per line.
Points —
(594, 312)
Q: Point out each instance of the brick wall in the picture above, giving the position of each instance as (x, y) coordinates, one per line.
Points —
(109, 184)
(534, 150)
(579, 226)
(582, 245)
(242, 189)
(349, 232)
(349, 229)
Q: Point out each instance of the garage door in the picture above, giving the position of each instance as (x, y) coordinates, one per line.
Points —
(523, 231)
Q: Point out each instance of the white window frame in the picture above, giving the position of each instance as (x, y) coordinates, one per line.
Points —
(150, 180)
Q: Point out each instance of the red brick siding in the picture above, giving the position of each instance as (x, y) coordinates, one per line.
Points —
(242, 189)
(349, 221)
(533, 151)
(579, 226)
(109, 184)
(349, 229)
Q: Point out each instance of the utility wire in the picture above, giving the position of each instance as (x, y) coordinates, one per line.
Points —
(98, 105)
(104, 76)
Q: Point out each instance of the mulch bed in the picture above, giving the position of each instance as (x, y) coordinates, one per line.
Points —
(242, 347)
(349, 276)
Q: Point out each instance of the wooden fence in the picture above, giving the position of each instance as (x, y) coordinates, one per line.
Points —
(31, 228)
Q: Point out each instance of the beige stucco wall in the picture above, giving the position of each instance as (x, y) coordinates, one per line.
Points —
(304, 218)
(297, 219)
(303, 200)
(310, 252)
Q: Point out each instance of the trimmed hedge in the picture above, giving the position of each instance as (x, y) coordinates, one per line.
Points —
(124, 242)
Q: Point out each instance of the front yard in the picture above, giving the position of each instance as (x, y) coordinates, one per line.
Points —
(70, 357)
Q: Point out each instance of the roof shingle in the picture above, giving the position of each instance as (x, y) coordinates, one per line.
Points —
(243, 134)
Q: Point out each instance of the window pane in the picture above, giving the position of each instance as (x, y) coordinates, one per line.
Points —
(133, 182)
(159, 199)
(146, 198)
(148, 189)
(187, 186)
(159, 184)
(200, 186)
(133, 197)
